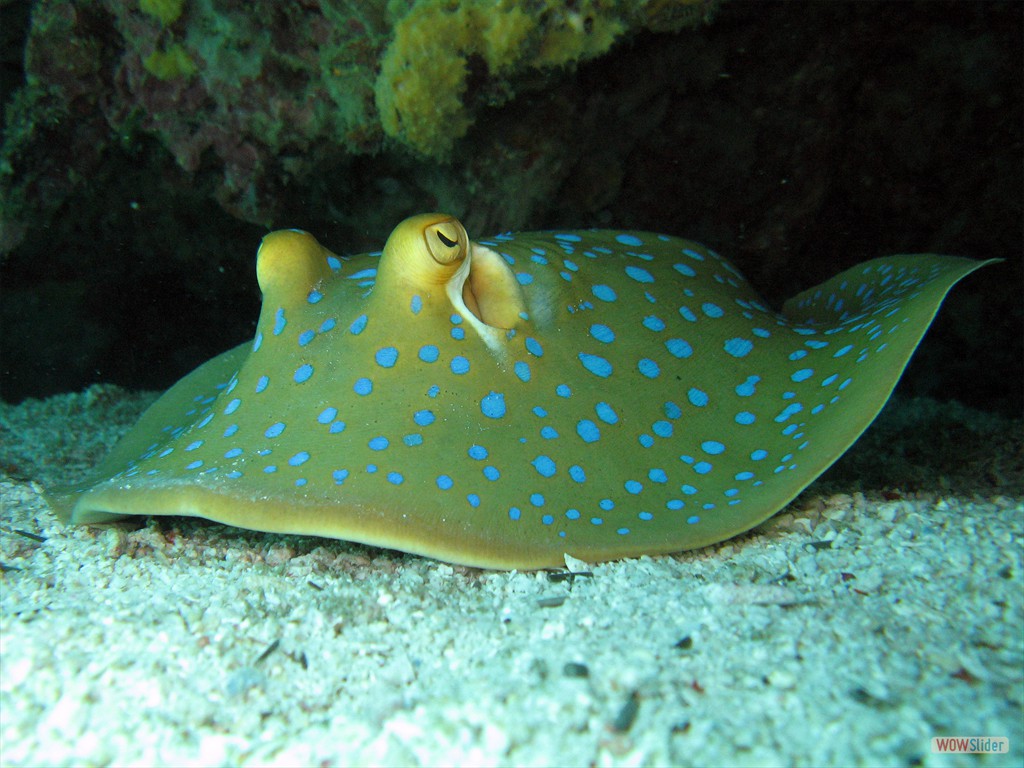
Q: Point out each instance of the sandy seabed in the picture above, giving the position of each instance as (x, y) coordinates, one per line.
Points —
(882, 608)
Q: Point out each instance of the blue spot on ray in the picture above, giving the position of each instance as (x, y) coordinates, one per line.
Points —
(739, 347)
(606, 413)
(358, 325)
(678, 348)
(639, 274)
(544, 466)
(788, 411)
(662, 428)
(596, 365)
(649, 368)
(711, 309)
(493, 405)
(386, 357)
(748, 387)
(588, 431)
(697, 397)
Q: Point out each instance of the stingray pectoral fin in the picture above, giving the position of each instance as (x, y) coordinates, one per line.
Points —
(865, 287)
(875, 315)
(70, 502)
(364, 523)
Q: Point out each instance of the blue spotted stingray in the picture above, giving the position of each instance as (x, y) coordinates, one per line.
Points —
(503, 403)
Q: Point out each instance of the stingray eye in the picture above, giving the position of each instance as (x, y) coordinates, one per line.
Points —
(446, 241)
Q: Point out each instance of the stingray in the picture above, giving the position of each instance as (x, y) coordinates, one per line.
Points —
(502, 403)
